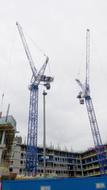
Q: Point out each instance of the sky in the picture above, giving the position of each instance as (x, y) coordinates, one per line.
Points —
(56, 28)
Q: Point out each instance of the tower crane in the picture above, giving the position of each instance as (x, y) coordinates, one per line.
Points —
(84, 96)
(37, 79)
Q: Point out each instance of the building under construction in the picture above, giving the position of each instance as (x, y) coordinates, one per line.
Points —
(61, 163)
(7, 135)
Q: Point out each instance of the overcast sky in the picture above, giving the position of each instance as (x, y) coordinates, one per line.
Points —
(58, 28)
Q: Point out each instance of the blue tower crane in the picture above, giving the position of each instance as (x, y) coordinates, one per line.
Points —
(84, 95)
(37, 78)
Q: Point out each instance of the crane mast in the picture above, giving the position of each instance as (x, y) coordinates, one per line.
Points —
(84, 94)
(37, 78)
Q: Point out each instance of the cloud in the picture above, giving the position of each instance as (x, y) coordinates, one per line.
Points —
(58, 28)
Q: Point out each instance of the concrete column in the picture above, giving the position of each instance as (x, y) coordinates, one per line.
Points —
(2, 146)
(3, 138)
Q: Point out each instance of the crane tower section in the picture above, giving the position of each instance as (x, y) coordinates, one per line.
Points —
(84, 95)
(37, 79)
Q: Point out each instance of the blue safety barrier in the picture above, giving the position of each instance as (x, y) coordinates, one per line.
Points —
(86, 183)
